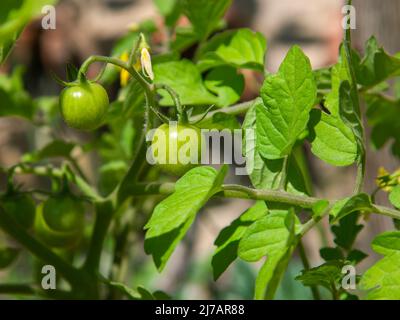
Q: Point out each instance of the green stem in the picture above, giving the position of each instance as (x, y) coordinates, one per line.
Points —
(232, 110)
(241, 192)
(48, 171)
(182, 115)
(104, 213)
(282, 181)
(356, 99)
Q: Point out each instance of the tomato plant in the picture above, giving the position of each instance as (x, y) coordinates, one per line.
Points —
(126, 209)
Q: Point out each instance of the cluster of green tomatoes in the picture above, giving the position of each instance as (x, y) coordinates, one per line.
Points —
(58, 222)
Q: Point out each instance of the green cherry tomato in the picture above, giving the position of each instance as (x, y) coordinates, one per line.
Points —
(64, 213)
(54, 238)
(21, 207)
(60, 221)
(177, 148)
(84, 105)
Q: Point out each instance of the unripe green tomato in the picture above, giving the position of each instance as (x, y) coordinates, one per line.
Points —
(64, 213)
(21, 207)
(84, 105)
(54, 238)
(177, 142)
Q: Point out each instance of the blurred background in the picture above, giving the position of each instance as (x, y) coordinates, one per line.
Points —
(93, 26)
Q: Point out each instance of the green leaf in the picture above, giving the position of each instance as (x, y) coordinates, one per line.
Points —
(220, 121)
(342, 208)
(226, 83)
(14, 100)
(329, 254)
(56, 148)
(383, 278)
(228, 239)
(265, 236)
(264, 173)
(383, 115)
(184, 78)
(7, 256)
(394, 196)
(288, 98)
(376, 66)
(205, 14)
(347, 231)
(240, 48)
(350, 115)
(140, 293)
(331, 139)
(326, 275)
(387, 242)
(184, 38)
(173, 216)
(15, 14)
(271, 236)
(355, 256)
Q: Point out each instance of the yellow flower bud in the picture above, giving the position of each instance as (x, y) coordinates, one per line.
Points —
(124, 75)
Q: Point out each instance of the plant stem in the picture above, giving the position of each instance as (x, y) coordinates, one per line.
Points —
(241, 192)
(104, 213)
(236, 109)
(182, 115)
(48, 171)
(282, 181)
(306, 265)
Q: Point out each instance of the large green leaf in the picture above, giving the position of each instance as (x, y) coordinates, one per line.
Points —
(228, 239)
(183, 77)
(264, 173)
(240, 48)
(332, 140)
(205, 15)
(273, 237)
(288, 98)
(382, 280)
(173, 216)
